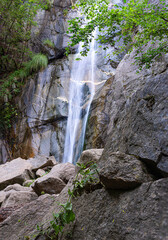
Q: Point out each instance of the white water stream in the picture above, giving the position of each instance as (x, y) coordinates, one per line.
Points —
(81, 92)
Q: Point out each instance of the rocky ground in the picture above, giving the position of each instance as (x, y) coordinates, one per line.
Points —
(131, 203)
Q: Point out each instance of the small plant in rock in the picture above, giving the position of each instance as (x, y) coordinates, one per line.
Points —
(65, 12)
(49, 43)
(86, 177)
(30, 183)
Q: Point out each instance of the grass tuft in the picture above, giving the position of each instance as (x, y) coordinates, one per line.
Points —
(38, 63)
(49, 43)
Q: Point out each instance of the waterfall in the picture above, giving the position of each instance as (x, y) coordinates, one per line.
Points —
(81, 92)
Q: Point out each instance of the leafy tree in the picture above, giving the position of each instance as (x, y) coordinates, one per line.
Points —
(138, 23)
(16, 20)
(16, 60)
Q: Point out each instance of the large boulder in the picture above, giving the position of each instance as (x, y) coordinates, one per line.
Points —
(16, 171)
(56, 180)
(64, 171)
(90, 156)
(41, 162)
(122, 171)
(15, 198)
(48, 184)
(12, 188)
(17, 187)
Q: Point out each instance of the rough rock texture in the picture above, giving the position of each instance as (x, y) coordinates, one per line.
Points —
(121, 171)
(56, 180)
(41, 162)
(17, 187)
(4, 154)
(64, 171)
(137, 113)
(96, 132)
(12, 188)
(18, 198)
(13, 197)
(140, 214)
(40, 173)
(48, 184)
(23, 221)
(16, 171)
(88, 157)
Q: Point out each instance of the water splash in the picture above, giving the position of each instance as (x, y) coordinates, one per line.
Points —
(81, 92)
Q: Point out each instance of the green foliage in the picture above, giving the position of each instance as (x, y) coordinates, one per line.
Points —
(49, 43)
(65, 12)
(87, 175)
(138, 23)
(30, 183)
(38, 63)
(17, 18)
(16, 21)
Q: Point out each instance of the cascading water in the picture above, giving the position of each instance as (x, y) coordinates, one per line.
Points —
(81, 92)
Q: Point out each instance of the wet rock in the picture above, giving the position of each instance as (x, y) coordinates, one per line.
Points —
(4, 155)
(96, 132)
(41, 161)
(16, 171)
(122, 171)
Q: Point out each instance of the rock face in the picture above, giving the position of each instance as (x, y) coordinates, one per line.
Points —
(4, 155)
(121, 171)
(135, 114)
(139, 214)
(99, 118)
